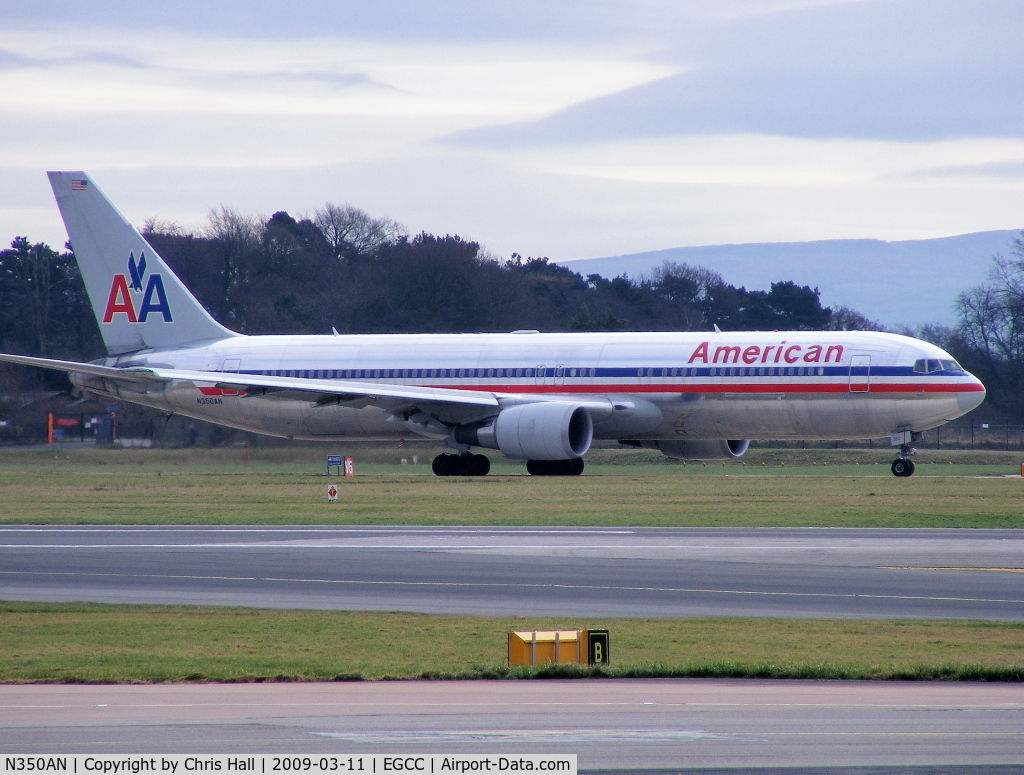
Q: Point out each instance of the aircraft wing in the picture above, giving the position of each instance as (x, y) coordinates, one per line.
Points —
(321, 391)
(92, 369)
(329, 390)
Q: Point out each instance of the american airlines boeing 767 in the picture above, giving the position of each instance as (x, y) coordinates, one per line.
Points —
(534, 396)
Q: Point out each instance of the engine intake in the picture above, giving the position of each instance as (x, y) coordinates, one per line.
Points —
(549, 430)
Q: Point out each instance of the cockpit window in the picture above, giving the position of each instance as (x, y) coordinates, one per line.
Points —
(927, 366)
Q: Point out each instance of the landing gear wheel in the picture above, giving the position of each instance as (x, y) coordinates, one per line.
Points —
(570, 467)
(443, 465)
(481, 465)
(471, 465)
(460, 465)
(903, 467)
(537, 467)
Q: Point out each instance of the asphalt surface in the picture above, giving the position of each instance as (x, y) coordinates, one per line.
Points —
(812, 572)
(619, 724)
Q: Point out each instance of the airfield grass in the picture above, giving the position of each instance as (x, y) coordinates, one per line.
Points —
(81, 642)
(93, 643)
(794, 488)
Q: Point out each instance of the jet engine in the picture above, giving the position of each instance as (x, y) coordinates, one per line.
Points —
(696, 449)
(548, 430)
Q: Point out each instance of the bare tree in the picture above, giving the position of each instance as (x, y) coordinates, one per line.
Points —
(157, 225)
(238, 239)
(689, 290)
(992, 327)
(846, 319)
(352, 232)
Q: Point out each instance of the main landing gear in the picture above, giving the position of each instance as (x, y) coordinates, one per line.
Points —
(571, 467)
(903, 466)
(466, 464)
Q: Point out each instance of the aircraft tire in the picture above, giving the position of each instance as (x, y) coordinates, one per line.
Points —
(570, 467)
(902, 467)
(442, 465)
(481, 465)
(466, 465)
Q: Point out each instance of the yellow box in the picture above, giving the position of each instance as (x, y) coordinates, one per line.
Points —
(542, 647)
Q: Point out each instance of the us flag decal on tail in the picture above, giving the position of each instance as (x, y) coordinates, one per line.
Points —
(79, 185)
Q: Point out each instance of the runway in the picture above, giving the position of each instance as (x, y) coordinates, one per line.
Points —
(659, 572)
(618, 724)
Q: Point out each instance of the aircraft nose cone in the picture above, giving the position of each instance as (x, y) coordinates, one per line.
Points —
(971, 398)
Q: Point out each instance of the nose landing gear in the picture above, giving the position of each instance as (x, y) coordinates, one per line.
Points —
(903, 466)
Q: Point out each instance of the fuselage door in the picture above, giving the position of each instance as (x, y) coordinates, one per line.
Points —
(860, 374)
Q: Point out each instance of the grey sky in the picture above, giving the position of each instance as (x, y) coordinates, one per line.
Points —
(571, 130)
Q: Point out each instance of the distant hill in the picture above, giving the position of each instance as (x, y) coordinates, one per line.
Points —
(909, 282)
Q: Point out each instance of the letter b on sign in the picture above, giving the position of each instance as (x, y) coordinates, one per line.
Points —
(597, 647)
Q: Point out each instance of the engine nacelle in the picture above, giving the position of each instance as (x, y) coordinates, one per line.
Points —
(548, 430)
(699, 449)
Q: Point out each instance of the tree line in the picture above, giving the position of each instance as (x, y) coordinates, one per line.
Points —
(346, 270)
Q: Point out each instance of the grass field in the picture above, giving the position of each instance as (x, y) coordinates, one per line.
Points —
(286, 485)
(78, 642)
(281, 486)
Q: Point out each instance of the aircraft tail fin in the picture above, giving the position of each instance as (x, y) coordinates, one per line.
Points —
(138, 301)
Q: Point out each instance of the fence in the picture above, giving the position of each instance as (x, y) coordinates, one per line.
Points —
(1003, 435)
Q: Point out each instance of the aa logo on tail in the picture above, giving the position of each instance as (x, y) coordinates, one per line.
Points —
(123, 293)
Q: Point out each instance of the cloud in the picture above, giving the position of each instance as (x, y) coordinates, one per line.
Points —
(1009, 171)
(183, 75)
(575, 128)
(903, 70)
(775, 161)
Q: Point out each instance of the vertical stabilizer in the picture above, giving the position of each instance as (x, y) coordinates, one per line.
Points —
(137, 300)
